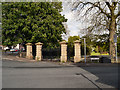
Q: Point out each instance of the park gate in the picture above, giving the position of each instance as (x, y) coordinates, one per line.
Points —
(70, 53)
(62, 53)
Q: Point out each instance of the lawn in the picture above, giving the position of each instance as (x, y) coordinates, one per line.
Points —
(93, 53)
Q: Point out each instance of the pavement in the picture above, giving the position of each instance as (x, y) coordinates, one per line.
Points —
(24, 73)
(16, 58)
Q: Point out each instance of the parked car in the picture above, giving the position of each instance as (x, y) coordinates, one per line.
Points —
(105, 59)
(94, 58)
(14, 50)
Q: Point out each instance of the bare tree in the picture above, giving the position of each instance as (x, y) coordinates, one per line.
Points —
(103, 15)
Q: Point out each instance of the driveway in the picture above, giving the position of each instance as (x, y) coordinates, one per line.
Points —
(18, 74)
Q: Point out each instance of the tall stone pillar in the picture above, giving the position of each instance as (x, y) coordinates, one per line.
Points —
(29, 51)
(38, 51)
(77, 49)
(63, 57)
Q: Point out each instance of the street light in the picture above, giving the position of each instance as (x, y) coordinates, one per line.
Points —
(85, 49)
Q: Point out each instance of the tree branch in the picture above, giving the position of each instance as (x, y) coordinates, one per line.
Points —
(97, 5)
(108, 4)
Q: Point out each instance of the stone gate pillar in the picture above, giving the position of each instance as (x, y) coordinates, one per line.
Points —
(77, 49)
(29, 51)
(38, 51)
(63, 57)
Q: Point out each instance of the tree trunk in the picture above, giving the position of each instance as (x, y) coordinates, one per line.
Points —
(111, 39)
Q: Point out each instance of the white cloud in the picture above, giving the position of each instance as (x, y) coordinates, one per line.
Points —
(72, 24)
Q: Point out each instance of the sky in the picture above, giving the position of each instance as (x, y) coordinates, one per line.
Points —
(72, 24)
(75, 26)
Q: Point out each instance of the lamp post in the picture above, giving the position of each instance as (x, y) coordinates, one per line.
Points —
(115, 41)
(85, 49)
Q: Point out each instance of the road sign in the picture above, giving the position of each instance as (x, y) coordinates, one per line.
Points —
(115, 38)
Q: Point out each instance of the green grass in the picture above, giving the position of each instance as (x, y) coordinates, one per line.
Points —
(105, 54)
(93, 53)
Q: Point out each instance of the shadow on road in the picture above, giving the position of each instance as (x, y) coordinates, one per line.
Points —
(107, 73)
(48, 67)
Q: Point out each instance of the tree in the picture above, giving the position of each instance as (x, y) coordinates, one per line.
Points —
(71, 40)
(118, 42)
(89, 44)
(102, 41)
(25, 22)
(94, 41)
(104, 15)
(118, 46)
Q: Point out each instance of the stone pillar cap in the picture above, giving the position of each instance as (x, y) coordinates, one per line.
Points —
(39, 43)
(63, 42)
(77, 41)
(29, 44)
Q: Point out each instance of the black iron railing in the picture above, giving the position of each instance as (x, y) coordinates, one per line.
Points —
(51, 54)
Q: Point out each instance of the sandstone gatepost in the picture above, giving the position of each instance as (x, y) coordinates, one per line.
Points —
(29, 51)
(38, 51)
(63, 57)
(77, 49)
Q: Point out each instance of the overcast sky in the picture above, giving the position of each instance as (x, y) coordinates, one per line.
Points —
(72, 23)
(75, 26)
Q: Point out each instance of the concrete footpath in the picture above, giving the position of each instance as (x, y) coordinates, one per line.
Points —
(16, 58)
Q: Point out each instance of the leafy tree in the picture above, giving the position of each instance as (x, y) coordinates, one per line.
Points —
(118, 42)
(103, 16)
(95, 41)
(33, 22)
(71, 40)
(89, 44)
(102, 41)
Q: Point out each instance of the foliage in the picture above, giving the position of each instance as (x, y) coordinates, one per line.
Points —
(100, 16)
(118, 41)
(118, 45)
(71, 40)
(88, 44)
(25, 22)
(100, 43)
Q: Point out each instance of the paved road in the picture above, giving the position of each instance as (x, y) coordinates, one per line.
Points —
(50, 75)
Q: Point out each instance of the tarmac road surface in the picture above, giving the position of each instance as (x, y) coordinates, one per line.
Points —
(16, 74)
